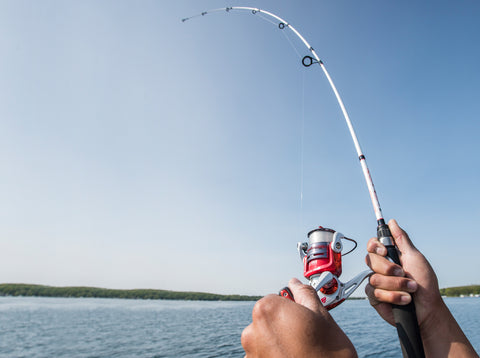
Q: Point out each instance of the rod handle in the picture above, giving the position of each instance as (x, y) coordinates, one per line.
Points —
(405, 316)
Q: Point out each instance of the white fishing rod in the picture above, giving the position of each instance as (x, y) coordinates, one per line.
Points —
(405, 316)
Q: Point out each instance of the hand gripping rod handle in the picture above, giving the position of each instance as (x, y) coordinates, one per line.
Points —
(405, 316)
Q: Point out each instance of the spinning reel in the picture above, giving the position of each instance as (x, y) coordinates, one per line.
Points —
(322, 266)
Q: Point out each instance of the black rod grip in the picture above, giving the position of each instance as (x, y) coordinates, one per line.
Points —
(405, 316)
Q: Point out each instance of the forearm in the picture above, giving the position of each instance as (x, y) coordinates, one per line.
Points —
(443, 337)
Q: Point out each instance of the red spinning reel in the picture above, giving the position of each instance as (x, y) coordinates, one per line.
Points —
(322, 266)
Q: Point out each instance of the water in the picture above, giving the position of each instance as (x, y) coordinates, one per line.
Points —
(89, 327)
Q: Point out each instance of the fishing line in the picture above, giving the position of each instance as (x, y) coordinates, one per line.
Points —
(302, 125)
(284, 33)
(266, 19)
(302, 151)
(302, 129)
(288, 38)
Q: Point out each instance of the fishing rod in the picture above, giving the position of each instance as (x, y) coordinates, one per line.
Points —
(405, 316)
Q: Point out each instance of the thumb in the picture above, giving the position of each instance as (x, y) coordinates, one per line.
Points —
(305, 295)
(401, 238)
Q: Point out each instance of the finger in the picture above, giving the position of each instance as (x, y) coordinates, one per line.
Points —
(383, 309)
(393, 283)
(376, 247)
(394, 297)
(305, 295)
(371, 297)
(401, 238)
(381, 265)
(246, 338)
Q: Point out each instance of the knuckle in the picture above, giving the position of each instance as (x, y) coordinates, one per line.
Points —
(372, 244)
(305, 293)
(398, 283)
(263, 308)
(394, 297)
(374, 280)
(378, 295)
(307, 290)
(387, 296)
(383, 295)
(392, 269)
(246, 337)
(389, 283)
(368, 260)
(403, 284)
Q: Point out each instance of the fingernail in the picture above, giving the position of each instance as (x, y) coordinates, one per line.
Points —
(405, 299)
(380, 251)
(412, 285)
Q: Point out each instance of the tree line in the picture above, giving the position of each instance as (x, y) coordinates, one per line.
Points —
(460, 290)
(16, 289)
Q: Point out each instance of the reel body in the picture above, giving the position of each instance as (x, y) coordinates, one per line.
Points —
(322, 266)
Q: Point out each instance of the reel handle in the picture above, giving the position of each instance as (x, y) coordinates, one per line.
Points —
(285, 292)
(405, 316)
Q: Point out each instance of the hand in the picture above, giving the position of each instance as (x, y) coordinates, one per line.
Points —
(390, 283)
(304, 328)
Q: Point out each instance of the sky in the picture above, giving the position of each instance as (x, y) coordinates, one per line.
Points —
(138, 151)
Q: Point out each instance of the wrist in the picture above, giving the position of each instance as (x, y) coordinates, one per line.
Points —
(441, 333)
(434, 323)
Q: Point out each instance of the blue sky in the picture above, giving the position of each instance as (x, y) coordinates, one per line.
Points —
(138, 151)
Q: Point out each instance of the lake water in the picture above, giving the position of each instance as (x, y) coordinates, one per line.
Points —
(89, 327)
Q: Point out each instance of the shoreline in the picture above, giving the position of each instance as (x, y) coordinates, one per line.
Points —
(33, 290)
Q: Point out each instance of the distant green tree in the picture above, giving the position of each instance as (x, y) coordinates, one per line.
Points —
(13, 289)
